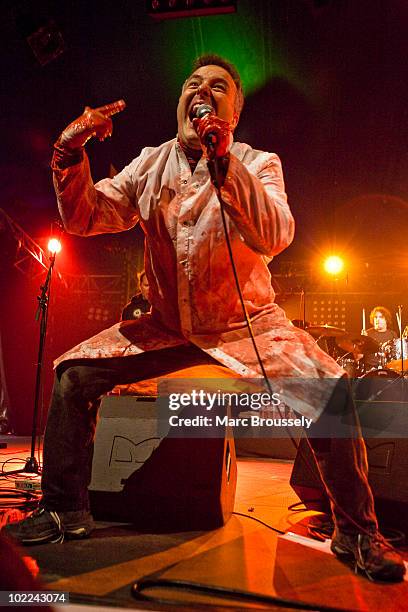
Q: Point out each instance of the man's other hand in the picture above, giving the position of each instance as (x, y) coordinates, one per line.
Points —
(93, 122)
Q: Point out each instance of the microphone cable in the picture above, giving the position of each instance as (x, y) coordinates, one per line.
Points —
(145, 583)
(217, 179)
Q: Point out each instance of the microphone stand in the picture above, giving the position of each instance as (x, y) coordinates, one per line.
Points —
(31, 466)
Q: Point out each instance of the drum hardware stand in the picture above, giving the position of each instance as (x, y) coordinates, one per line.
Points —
(303, 306)
(31, 466)
(401, 338)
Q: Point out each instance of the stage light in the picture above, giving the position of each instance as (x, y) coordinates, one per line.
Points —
(333, 265)
(54, 246)
(169, 9)
(41, 32)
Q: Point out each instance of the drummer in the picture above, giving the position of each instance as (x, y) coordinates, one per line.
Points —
(381, 331)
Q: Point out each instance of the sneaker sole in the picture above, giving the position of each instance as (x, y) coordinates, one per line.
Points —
(57, 538)
(77, 534)
(387, 574)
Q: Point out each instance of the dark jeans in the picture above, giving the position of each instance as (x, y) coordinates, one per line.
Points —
(342, 461)
(68, 443)
(71, 422)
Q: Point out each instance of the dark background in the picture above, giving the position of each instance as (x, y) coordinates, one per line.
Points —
(326, 89)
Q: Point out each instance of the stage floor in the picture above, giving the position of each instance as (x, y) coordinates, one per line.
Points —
(245, 554)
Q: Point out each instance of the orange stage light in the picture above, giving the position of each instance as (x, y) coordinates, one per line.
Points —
(333, 264)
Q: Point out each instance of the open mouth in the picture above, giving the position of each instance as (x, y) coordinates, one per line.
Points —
(192, 111)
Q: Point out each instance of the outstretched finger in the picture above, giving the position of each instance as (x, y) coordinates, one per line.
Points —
(111, 109)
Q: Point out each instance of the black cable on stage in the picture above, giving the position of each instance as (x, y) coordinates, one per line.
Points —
(140, 586)
(217, 178)
(393, 535)
(21, 475)
(146, 583)
(254, 518)
(26, 500)
(295, 507)
(15, 498)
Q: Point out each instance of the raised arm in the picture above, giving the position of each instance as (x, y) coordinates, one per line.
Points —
(86, 208)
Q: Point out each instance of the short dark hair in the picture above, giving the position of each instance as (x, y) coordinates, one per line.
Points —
(212, 59)
(384, 311)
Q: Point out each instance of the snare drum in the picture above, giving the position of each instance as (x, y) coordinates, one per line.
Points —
(381, 358)
(349, 364)
(381, 373)
(352, 366)
(392, 352)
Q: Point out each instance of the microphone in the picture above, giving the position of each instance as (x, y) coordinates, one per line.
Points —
(202, 110)
(211, 138)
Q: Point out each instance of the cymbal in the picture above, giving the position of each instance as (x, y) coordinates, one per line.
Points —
(365, 344)
(358, 344)
(346, 343)
(325, 330)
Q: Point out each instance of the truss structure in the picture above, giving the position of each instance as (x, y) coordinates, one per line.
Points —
(29, 257)
(292, 276)
(101, 285)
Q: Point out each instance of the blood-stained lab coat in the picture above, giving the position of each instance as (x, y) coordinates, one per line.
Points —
(191, 284)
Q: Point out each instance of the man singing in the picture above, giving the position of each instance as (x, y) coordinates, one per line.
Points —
(196, 315)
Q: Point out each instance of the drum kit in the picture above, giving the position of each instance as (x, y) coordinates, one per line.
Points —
(391, 356)
(380, 393)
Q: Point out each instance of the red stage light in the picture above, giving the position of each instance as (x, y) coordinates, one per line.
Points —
(54, 246)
